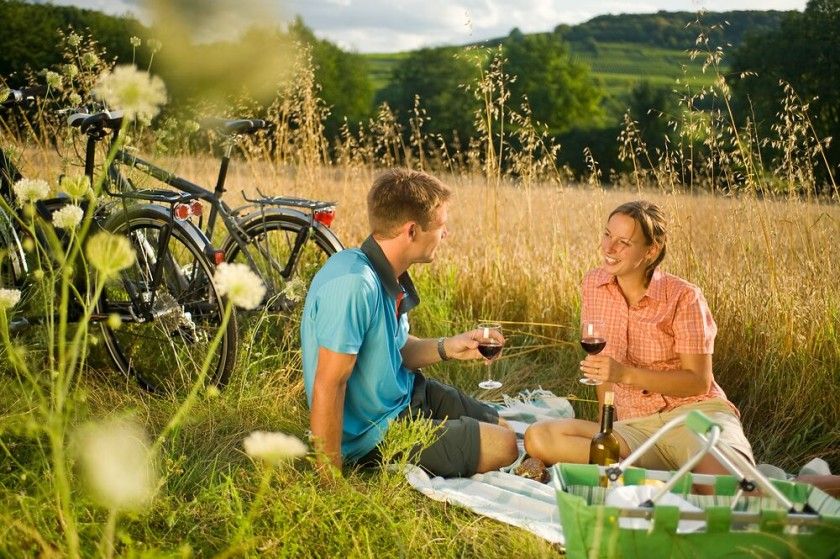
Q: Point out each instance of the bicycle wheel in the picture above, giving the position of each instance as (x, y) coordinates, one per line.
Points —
(12, 258)
(271, 241)
(168, 326)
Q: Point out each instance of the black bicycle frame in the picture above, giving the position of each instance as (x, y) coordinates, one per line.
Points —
(217, 206)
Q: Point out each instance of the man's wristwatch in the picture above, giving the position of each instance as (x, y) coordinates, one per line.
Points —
(441, 349)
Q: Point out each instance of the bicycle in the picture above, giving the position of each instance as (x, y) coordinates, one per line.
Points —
(280, 238)
(156, 296)
(169, 309)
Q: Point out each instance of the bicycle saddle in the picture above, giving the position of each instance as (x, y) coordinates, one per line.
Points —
(234, 126)
(111, 120)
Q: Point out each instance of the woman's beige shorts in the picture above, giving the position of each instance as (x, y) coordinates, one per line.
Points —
(679, 444)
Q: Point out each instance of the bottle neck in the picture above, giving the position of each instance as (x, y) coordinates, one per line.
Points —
(607, 418)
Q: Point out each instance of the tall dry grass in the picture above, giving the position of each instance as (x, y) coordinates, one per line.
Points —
(522, 234)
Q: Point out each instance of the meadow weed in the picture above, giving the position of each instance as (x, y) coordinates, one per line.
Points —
(225, 472)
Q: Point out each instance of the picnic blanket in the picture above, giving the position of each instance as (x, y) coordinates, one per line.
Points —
(501, 495)
(522, 502)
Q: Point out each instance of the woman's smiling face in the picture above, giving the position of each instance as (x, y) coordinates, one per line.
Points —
(624, 247)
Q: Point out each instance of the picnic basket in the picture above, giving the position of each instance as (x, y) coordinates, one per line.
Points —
(789, 519)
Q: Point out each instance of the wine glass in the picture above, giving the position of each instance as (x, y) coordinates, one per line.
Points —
(593, 341)
(490, 348)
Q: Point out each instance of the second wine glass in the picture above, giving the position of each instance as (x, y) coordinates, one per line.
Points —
(490, 348)
(593, 341)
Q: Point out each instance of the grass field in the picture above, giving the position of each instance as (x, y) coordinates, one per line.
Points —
(763, 249)
(768, 269)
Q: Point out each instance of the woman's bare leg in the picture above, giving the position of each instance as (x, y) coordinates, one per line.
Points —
(564, 440)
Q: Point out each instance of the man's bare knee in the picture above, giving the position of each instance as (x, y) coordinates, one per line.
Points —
(498, 447)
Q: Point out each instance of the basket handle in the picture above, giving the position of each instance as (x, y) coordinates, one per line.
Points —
(699, 422)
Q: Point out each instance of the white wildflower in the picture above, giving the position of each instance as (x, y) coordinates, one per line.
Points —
(68, 217)
(75, 100)
(135, 92)
(89, 60)
(154, 45)
(77, 186)
(240, 284)
(53, 80)
(295, 290)
(135, 41)
(74, 40)
(109, 253)
(31, 190)
(71, 70)
(274, 448)
(117, 465)
(9, 298)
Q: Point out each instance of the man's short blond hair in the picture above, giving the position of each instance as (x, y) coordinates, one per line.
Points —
(402, 195)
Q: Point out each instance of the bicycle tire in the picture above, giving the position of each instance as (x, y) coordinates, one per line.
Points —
(166, 353)
(273, 234)
(13, 265)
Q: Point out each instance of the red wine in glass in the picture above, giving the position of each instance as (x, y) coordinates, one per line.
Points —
(593, 342)
(593, 346)
(490, 348)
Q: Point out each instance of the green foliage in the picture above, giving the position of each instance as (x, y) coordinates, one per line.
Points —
(560, 90)
(805, 53)
(651, 107)
(343, 76)
(30, 33)
(673, 30)
(437, 76)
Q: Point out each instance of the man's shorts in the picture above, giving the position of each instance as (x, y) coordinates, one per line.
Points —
(455, 450)
(679, 444)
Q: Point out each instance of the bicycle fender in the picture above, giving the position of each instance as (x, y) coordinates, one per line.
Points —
(195, 234)
(294, 215)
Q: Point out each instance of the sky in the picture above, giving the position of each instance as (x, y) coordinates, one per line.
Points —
(400, 25)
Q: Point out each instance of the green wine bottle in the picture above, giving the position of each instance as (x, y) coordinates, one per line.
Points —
(603, 450)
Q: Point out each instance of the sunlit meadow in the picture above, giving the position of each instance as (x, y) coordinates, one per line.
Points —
(112, 470)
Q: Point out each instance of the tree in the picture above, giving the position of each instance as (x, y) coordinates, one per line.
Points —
(804, 52)
(343, 76)
(651, 107)
(437, 76)
(29, 35)
(561, 92)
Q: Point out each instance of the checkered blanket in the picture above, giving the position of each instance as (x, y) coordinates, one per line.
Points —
(501, 495)
(532, 505)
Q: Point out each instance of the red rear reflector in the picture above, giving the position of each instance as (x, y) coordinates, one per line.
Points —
(181, 211)
(325, 217)
(196, 208)
(218, 257)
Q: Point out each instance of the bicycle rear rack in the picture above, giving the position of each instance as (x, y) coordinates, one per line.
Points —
(290, 201)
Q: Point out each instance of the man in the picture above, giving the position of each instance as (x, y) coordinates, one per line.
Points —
(359, 359)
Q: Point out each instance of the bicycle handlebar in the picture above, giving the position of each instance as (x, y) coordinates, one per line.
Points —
(18, 96)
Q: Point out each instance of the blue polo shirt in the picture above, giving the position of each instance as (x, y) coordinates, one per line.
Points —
(351, 308)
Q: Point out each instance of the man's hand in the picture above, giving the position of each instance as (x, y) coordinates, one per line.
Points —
(464, 346)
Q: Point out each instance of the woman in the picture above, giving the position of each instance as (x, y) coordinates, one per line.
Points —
(658, 358)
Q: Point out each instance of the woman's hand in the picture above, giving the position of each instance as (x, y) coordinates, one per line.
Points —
(464, 346)
(602, 368)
